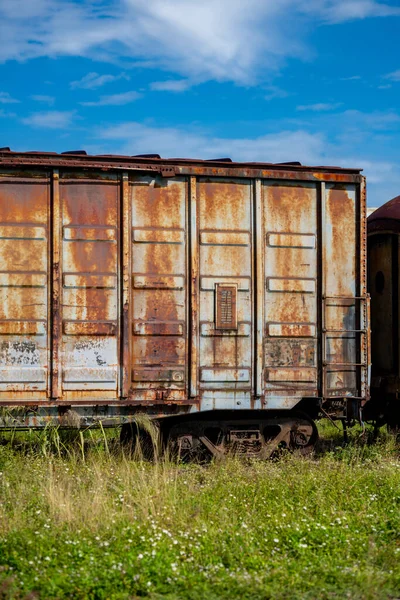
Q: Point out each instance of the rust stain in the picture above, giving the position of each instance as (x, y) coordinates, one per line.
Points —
(159, 249)
(127, 319)
(340, 211)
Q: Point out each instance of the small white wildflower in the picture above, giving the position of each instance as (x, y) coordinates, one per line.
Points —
(276, 540)
(140, 556)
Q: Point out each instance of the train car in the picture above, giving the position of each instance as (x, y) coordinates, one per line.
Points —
(383, 283)
(225, 300)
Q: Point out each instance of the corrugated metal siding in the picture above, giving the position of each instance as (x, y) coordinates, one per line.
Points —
(89, 271)
(291, 291)
(24, 287)
(225, 259)
(221, 292)
(158, 346)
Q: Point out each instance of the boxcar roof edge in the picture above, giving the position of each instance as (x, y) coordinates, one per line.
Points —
(166, 166)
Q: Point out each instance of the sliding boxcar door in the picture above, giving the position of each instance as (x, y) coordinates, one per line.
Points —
(89, 250)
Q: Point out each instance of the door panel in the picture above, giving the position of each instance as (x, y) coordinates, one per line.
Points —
(24, 239)
(89, 218)
(158, 335)
(290, 345)
(341, 306)
(225, 297)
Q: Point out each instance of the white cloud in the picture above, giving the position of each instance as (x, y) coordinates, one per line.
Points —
(6, 115)
(303, 144)
(45, 99)
(115, 99)
(171, 85)
(275, 92)
(320, 106)
(224, 40)
(394, 76)
(136, 138)
(5, 98)
(352, 78)
(338, 11)
(50, 120)
(93, 81)
(373, 121)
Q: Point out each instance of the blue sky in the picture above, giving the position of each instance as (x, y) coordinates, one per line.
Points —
(257, 80)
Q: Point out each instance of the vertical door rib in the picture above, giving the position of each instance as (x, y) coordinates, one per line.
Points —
(126, 284)
(56, 289)
(322, 242)
(364, 306)
(194, 287)
(259, 288)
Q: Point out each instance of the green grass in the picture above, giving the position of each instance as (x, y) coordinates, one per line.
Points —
(86, 521)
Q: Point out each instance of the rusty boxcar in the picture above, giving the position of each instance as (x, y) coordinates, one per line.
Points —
(384, 281)
(226, 299)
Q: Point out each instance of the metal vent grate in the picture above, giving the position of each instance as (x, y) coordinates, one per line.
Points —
(226, 306)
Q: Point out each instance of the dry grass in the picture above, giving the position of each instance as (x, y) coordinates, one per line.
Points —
(94, 523)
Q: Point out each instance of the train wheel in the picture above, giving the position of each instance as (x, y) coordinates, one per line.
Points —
(139, 441)
(264, 439)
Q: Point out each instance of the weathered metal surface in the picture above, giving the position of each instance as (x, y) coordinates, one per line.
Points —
(341, 304)
(384, 255)
(170, 167)
(386, 218)
(158, 347)
(180, 283)
(89, 272)
(383, 314)
(225, 262)
(384, 280)
(24, 288)
(290, 237)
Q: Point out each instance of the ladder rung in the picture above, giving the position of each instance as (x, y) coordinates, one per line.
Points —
(344, 331)
(328, 364)
(344, 298)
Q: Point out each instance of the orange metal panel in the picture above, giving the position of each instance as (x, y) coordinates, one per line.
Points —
(291, 299)
(24, 239)
(188, 284)
(341, 282)
(89, 246)
(225, 251)
(158, 294)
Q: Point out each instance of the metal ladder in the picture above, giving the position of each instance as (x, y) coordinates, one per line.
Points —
(362, 347)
